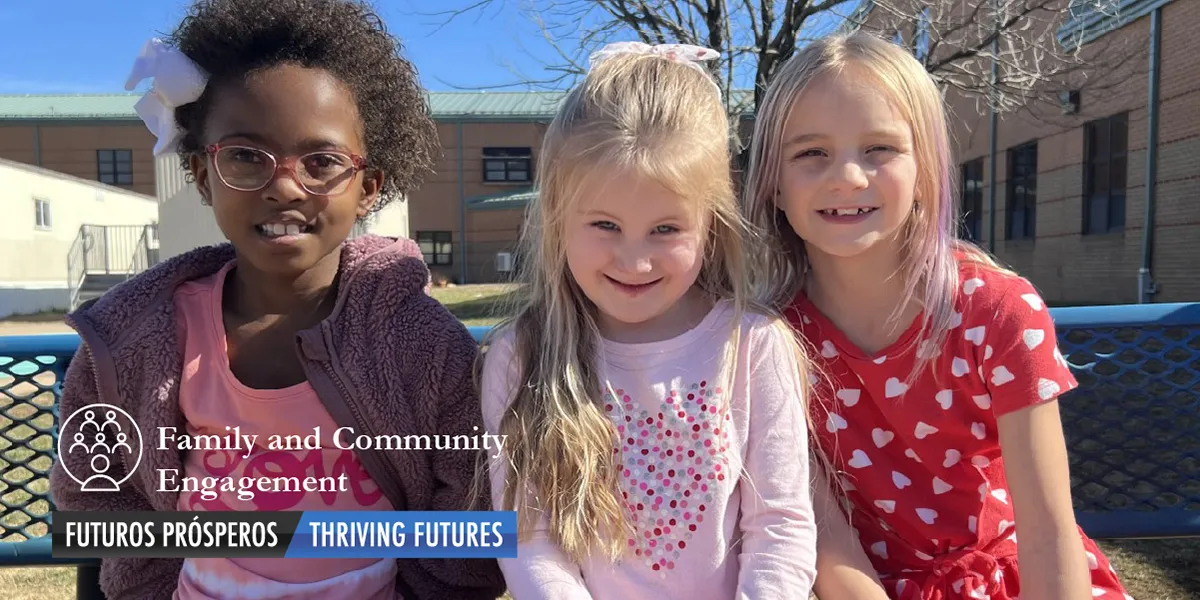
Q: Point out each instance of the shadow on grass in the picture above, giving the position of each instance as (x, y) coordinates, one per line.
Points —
(1165, 569)
(491, 307)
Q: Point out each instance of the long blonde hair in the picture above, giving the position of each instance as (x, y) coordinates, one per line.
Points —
(664, 120)
(929, 264)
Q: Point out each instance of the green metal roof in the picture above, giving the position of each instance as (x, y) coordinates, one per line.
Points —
(518, 198)
(445, 106)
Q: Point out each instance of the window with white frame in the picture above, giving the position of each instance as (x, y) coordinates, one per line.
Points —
(41, 210)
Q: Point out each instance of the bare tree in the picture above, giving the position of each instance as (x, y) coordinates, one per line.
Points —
(958, 41)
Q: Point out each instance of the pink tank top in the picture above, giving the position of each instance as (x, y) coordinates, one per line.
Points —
(212, 399)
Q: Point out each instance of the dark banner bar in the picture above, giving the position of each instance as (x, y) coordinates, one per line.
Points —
(231, 534)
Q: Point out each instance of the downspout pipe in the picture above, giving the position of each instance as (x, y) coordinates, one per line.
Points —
(993, 134)
(462, 206)
(1146, 287)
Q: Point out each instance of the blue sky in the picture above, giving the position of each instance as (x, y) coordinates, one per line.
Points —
(84, 46)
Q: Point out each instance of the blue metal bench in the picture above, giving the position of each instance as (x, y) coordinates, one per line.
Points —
(1133, 428)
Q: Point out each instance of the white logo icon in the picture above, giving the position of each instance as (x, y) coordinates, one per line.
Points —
(106, 441)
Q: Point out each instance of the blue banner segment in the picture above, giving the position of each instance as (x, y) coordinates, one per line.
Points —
(405, 534)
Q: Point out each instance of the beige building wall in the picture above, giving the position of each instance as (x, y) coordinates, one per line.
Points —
(44, 211)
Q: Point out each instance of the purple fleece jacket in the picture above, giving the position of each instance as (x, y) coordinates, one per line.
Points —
(389, 359)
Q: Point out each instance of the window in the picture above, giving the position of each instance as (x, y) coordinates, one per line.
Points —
(972, 200)
(41, 209)
(437, 246)
(507, 165)
(1105, 144)
(1022, 193)
(115, 167)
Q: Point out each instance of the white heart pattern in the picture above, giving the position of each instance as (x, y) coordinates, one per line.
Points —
(959, 367)
(1001, 375)
(972, 284)
(955, 319)
(859, 460)
(913, 455)
(979, 430)
(941, 487)
(879, 549)
(887, 506)
(835, 423)
(945, 399)
(1033, 338)
(881, 437)
(924, 430)
(894, 387)
(980, 461)
(971, 523)
(1033, 300)
(984, 402)
(952, 458)
(849, 397)
(880, 360)
(987, 352)
(827, 349)
(1047, 388)
(1000, 495)
(927, 514)
(900, 480)
(975, 334)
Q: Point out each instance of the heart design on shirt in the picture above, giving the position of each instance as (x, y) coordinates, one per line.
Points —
(959, 367)
(887, 506)
(849, 397)
(980, 461)
(975, 334)
(987, 352)
(984, 402)
(952, 458)
(1047, 388)
(941, 487)
(972, 284)
(859, 460)
(928, 515)
(900, 480)
(913, 455)
(1033, 301)
(835, 423)
(894, 387)
(827, 349)
(1001, 376)
(880, 360)
(924, 430)
(971, 521)
(955, 319)
(945, 399)
(1093, 564)
(673, 467)
(1033, 338)
(879, 549)
(979, 430)
(1000, 495)
(881, 437)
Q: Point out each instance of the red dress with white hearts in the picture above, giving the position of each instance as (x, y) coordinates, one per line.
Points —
(921, 463)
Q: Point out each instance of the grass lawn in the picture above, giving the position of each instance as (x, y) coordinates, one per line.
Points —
(1150, 569)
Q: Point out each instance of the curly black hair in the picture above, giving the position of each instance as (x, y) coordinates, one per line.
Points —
(230, 39)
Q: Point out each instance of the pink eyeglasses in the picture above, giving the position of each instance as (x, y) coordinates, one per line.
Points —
(248, 169)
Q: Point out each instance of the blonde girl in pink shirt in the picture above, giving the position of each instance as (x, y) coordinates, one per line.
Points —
(656, 432)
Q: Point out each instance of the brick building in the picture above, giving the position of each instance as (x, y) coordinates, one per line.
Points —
(1071, 194)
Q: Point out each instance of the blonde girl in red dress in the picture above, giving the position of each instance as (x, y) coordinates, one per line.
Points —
(941, 373)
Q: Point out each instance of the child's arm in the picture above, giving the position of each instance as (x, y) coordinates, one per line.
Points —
(1025, 375)
(541, 571)
(779, 545)
(120, 578)
(457, 400)
(843, 570)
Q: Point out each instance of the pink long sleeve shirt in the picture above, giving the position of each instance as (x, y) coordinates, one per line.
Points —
(715, 478)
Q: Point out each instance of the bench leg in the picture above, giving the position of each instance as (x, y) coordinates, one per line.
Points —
(87, 583)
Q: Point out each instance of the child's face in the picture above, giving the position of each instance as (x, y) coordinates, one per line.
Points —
(285, 112)
(848, 174)
(635, 248)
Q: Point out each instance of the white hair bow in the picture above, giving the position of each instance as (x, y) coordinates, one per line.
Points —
(685, 54)
(176, 81)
